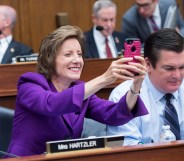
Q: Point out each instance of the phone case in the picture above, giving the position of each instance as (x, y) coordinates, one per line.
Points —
(132, 48)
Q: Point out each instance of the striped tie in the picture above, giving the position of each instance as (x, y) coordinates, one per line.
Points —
(171, 117)
(153, 23)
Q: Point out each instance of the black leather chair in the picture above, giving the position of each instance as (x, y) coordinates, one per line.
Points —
(6, 121)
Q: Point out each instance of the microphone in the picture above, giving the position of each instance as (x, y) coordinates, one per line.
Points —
(5, 155)
(99, 28)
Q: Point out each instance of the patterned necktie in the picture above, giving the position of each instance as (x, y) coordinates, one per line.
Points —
(153, 24)
(171, 117)
(107, 48)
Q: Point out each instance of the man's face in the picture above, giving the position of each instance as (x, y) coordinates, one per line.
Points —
(169, 71)
(107, 19)
(2, 21)
(146, 8)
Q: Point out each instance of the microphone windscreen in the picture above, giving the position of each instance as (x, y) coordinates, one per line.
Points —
(99, 28)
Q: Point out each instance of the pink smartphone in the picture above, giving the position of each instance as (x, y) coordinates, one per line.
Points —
(132, 48)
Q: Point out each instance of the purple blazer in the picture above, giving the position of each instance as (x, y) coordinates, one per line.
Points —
(42, 114)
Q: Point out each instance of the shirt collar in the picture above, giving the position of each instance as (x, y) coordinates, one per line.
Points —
(157, 94)
(99, 36)
(6, 39)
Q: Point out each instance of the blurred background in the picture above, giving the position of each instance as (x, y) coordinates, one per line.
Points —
(37, 18)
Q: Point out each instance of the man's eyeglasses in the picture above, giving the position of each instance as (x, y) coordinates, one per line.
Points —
(145, 6)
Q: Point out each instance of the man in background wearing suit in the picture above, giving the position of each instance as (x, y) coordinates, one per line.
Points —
(104, 16)
(102, 36)
(9, 48)
(138, 20)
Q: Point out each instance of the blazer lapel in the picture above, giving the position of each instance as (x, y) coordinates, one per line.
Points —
(9, 54)
(163, 13)
(67, 119)
(71, 118)
(144, 27)
(117, 43)
(92, 45)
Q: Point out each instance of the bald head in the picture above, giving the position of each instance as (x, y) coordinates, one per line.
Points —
(8, 16)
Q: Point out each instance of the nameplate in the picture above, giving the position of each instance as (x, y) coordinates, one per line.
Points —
(84, 144)
(26, 58)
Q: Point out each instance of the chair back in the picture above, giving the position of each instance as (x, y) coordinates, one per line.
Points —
(6, 121)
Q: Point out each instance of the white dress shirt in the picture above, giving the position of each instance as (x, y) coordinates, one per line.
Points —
(100, 43)
(147, 128)
(157, 18)
(4, 43)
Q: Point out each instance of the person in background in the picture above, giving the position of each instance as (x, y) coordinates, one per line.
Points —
(102, 41)
(147, 16)
(162, 86)
(9, 48)
(52, 103)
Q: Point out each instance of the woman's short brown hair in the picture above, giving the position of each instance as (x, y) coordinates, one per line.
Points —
(50, 46)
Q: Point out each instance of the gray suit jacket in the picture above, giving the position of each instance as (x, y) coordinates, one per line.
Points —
(134, 25)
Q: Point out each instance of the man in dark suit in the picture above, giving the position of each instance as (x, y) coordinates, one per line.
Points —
(9, 48)
(103, 34)
(136, 22)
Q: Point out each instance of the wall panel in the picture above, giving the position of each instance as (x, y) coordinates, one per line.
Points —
(36, 18)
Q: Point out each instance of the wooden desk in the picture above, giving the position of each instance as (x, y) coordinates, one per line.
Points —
(172, 151)
(11, 72)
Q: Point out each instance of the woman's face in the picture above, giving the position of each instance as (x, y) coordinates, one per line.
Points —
(69, 61)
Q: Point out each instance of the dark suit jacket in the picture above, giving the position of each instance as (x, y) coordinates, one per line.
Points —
(134, 25)
(92, 52)
(15, 49)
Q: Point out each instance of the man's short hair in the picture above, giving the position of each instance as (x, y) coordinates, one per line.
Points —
(100, 4)
(164, 39)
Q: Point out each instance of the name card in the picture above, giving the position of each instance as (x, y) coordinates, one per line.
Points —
(83, 144)
(26, 58)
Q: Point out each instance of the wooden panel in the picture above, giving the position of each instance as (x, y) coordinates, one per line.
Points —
(171, 151)
(36, 18)
(122, 7)
(8, 82)
(41, 16)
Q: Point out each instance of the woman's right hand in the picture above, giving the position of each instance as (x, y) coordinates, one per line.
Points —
(124, 69)
(119, 69)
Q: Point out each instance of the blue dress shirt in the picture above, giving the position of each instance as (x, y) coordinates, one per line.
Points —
(147, 129)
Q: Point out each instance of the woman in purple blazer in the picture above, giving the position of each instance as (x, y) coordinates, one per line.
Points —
(52, 103)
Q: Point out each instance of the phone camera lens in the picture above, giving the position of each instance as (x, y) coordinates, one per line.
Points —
(130, 42)
(133, 48)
